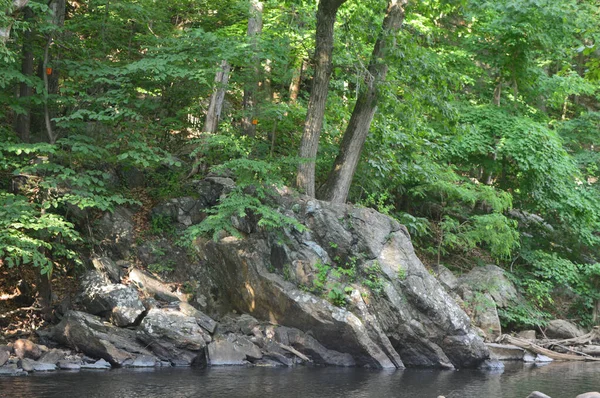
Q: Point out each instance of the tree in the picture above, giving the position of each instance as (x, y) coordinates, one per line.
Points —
(340, 177)
(326, 16)
(251, 87)
(213, 114)
(5, 30)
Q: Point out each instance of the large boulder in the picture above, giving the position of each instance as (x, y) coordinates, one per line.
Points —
(407, 319)
(483, 290)
(174, 336)
(561, 329)
(100, 297)
(27, 349)
(88, 334)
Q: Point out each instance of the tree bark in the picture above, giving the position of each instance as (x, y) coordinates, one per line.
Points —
(251, 87)
(296, 81)
(340, 177)
(23, 125)
(51, 80)
(216, 99)
(5, 30)
(326, 15)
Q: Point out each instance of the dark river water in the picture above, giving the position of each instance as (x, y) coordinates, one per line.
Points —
(557, 380)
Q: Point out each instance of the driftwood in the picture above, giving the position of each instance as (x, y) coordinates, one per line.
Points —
(295, 352)
(557, 356)
(586, 339)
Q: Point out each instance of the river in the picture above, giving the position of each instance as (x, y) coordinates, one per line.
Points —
(559, 380)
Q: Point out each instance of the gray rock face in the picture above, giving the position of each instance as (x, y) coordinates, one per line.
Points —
(4, 355)
(174, 337)
(413, 318)
(206, 322)
(116, 231)
(506, 352)
(310, 347)
(445, 277)
(186, 210)
(121, 302)
(52, 356)
(108, 267)
(223, 352)
(88, 334)
(493, 280)
(484, 290)
(561, 329)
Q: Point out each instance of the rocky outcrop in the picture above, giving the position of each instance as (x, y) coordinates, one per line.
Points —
(407, 318)
(119, 302)
(344, 287)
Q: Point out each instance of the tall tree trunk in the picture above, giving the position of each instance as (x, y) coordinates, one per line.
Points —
(216, 99)
(326, 15)
(251, 87)
(51, 79)
(5, 30)
(340, 177)
(23, 125)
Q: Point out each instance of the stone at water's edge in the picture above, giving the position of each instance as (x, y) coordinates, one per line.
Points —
(88, 334)
(537, 394)
(173, 336)
(413, 322)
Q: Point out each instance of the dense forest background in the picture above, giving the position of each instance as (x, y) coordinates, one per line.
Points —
(482, 121)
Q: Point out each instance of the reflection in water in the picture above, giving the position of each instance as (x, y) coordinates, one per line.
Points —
(517, 381)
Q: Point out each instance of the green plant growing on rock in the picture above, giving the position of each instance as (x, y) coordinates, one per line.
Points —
(401, 273)
(255, 182)
(373, 278)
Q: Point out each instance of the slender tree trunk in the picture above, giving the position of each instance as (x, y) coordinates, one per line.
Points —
(326, 15)
(216, 99)
(295, 83)
(51, 79)
(23, 125)
(340, 178)
(251, 87)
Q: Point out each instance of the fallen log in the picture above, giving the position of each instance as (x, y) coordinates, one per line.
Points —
(529, 346)
(586, 339)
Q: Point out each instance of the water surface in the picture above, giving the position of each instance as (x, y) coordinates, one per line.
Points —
(559, 380)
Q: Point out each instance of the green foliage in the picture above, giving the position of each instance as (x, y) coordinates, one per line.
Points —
(31, 235)
(251, 197)
(494, 230)
(160, 268)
